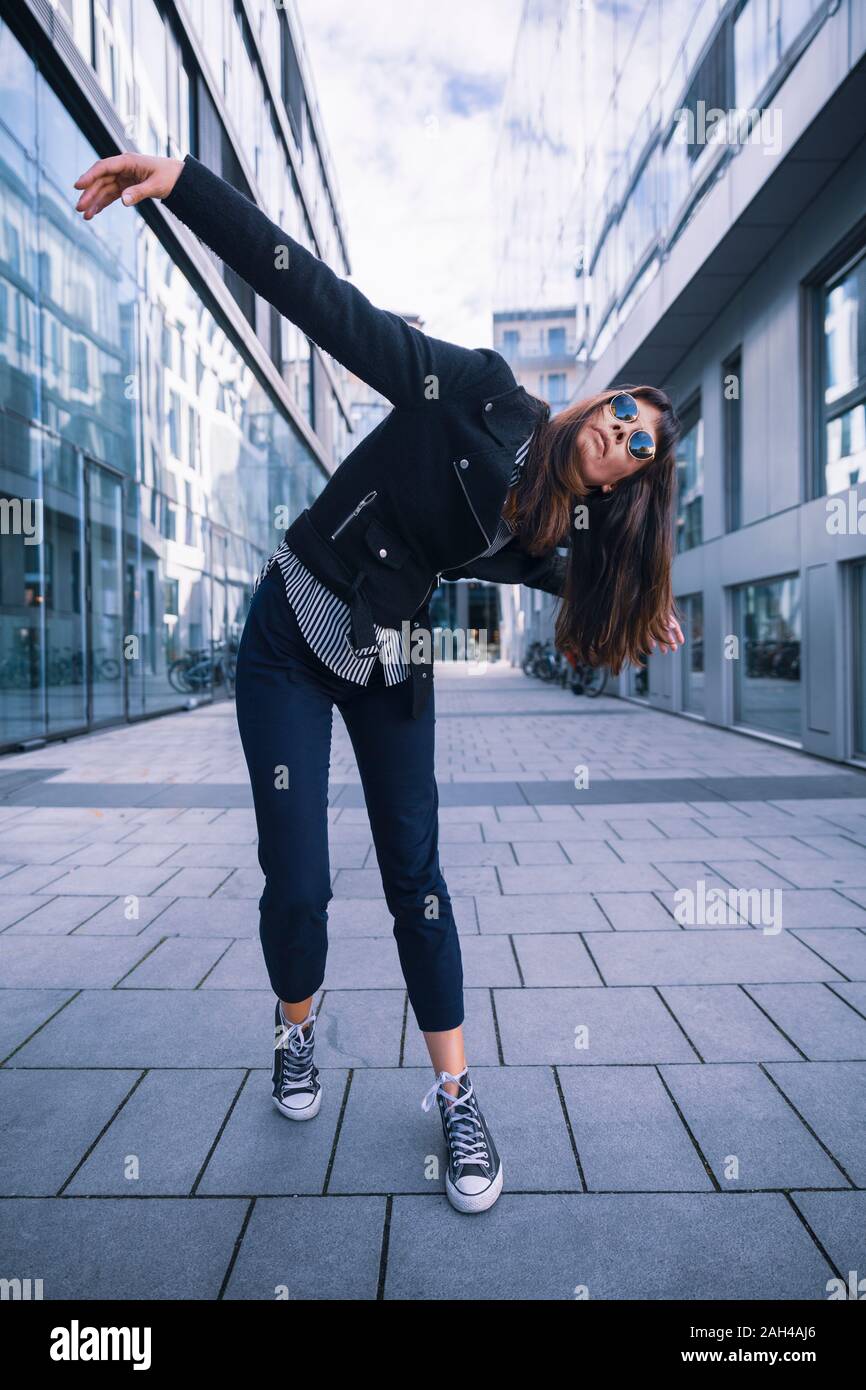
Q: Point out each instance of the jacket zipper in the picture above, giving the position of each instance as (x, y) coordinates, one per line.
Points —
(363, 503)
(457, 567)
(474, 557)
(477, 518)
(430, 590)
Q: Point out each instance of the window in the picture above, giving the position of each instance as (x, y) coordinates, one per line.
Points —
(77, 364)
(556, 342)
(189, 533)
(292, 83)
(13, 246)
(690, 480)
(711, 88)
(693, 653)
(217, 152)
(174, 424)
(764, 30)
(191, 436)
(297, 367)
(767, 670)
(843, 385)
(77, 16)
(859, 626)
(732, 440)
(557, 393)
(45, 274)
(511, 342)
(638, 681)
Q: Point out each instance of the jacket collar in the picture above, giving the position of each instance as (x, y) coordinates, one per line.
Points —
(510, 416)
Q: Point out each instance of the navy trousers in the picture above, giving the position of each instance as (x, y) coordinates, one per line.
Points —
(285, 699)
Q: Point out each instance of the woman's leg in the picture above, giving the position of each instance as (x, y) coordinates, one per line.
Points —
(447, 1053)
(395, 760)
(297, 1013)
(285, 720)
(395, 756)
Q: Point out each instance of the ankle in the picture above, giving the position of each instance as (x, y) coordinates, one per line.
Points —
(453, 1088)
(305, 1024)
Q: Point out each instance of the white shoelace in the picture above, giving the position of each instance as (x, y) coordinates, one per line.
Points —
(462, 1121)
(297, 1050)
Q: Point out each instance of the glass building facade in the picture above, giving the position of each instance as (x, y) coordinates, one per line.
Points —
(155, 441)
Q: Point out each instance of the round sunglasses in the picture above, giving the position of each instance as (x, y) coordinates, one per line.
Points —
(640, 443)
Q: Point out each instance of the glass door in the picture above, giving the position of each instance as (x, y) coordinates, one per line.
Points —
(105, 611)
(230, 594)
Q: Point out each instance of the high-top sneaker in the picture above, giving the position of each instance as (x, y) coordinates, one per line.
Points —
(297, 1089)
(474, 1177)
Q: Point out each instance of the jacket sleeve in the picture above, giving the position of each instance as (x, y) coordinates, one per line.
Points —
(405, 365)
(511, 565)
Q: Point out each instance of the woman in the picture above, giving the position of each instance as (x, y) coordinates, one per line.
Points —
(468, 475)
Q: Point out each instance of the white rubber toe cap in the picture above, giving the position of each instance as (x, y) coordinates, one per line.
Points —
(472, 1185)
(300, 1106)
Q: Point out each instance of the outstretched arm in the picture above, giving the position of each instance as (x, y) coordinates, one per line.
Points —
(511, 565)
(406, 366)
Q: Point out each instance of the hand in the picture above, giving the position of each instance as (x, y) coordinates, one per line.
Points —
(131, 177)
(675, 638)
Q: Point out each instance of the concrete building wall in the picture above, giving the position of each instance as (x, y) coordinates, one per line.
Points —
(781, 533)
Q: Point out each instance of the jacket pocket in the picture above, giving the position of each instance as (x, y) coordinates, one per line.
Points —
(364, 502)
(387, 548)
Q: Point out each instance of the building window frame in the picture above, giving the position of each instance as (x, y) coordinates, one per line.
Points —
(855, 649)
(732, 441)
(739, 718)
(690, 604)
(691, 417)
(849, 253)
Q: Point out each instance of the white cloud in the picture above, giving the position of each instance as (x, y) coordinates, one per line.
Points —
(410, 95)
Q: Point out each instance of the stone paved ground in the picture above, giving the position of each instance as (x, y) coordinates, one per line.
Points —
(680, 1105)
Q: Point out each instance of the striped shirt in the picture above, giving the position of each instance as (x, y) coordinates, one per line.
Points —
(325, 620)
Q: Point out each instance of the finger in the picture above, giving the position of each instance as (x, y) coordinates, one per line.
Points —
(94, 190)
(103, 200)
(97, 208)
(115, 164)
(140, 191)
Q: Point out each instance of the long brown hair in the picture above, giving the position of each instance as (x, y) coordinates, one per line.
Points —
(618, 595)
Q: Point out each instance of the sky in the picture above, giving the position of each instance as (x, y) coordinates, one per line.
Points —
(410, 94)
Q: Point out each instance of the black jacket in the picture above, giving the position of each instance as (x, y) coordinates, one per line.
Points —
(421, 496)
